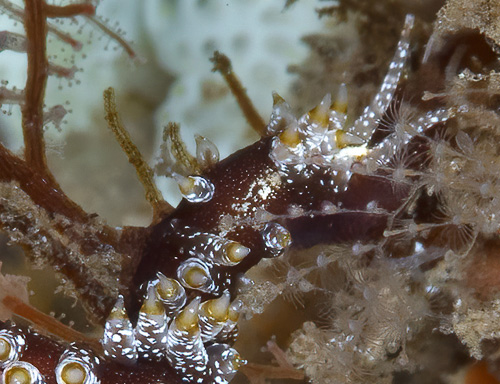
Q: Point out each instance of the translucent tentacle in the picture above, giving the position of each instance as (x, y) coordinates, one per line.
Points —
(366, 124)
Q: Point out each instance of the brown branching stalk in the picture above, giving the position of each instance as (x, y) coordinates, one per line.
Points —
(35, 212)
(223, 65)
(144, 171)
(35, 23)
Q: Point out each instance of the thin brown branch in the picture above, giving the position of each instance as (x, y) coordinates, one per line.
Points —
(11, 96)
(48, 323)
(75, 44)
(144, 171)
(115, 36)
(223, 65)
(69, 10)
(61, 71)
(35, 24)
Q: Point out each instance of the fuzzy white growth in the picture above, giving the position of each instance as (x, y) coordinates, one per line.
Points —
(398, 123)
(151, 329)
(195, 189)
(276, 238)
(213, 315)
(12, 344)
(185, 349)
(374, 318)
(171, 293)
(195, 274)
(118, 341)
(207, 153)
(366, 124)
(223, 363)
(466, 177)
(21, 372)
(77, 366)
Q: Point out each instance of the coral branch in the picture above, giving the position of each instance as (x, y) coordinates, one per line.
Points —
(144, 172)
(223, 65)
(69, 10)
(35, 24)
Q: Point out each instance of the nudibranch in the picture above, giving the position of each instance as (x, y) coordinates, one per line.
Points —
(307, 181)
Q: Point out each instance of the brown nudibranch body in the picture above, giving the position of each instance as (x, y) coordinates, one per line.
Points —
(248, 185)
